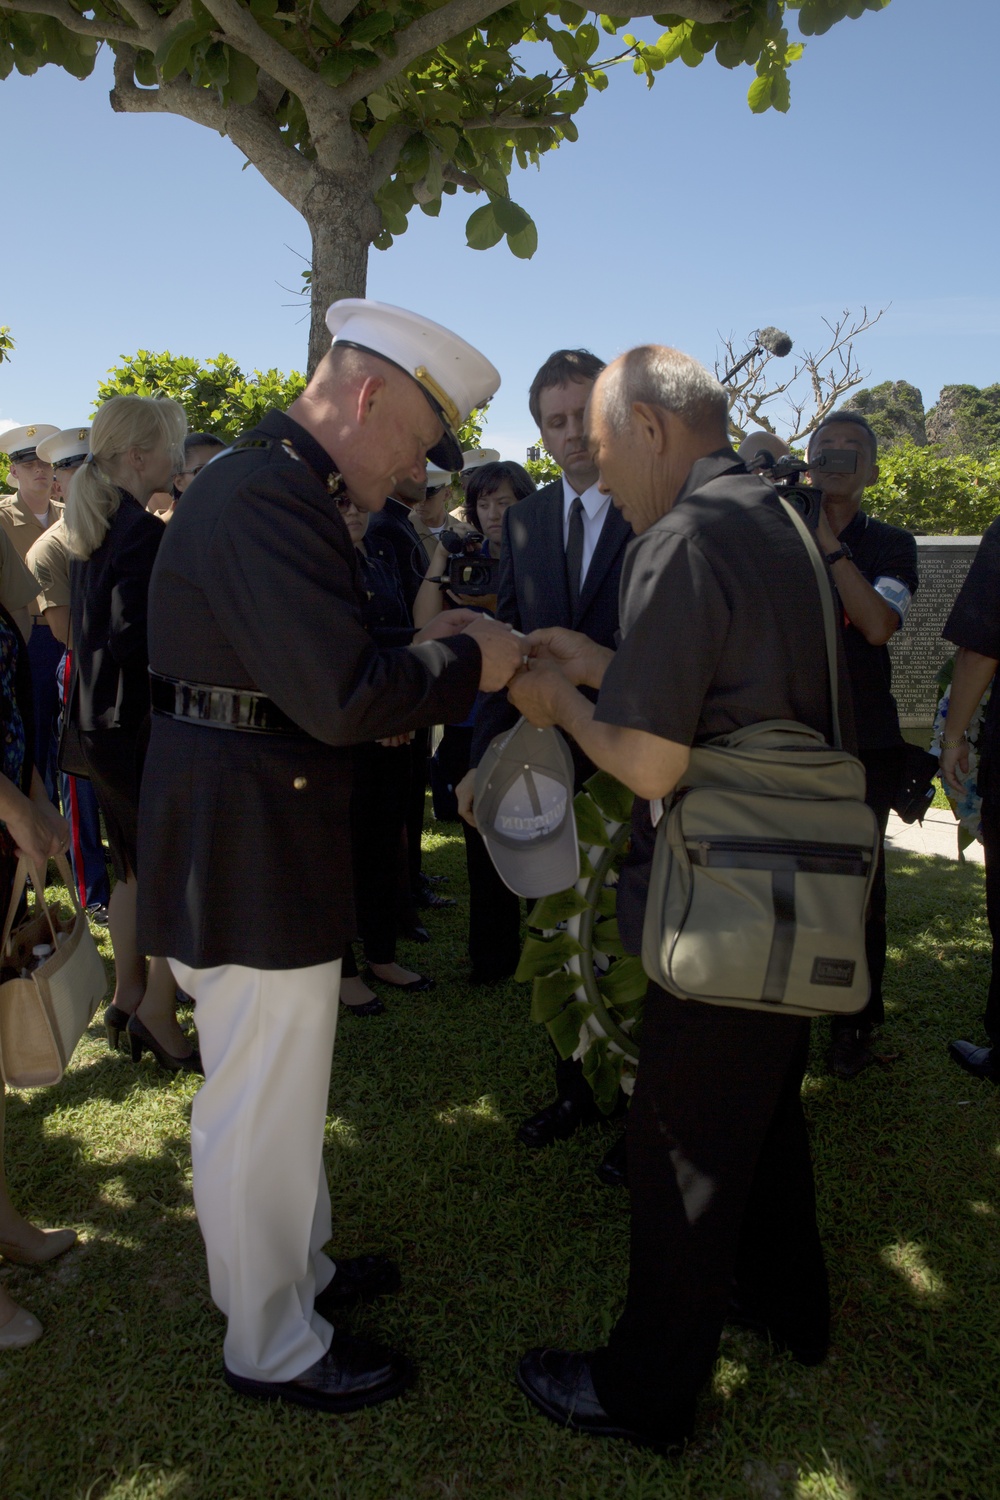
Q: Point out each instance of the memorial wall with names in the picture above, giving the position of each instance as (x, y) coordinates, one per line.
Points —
(918, 652)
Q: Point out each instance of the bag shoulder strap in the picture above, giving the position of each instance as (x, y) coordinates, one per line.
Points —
(826, 600)
(20, 877)
(825, 594)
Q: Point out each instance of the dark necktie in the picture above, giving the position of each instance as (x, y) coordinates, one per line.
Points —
(574, 551)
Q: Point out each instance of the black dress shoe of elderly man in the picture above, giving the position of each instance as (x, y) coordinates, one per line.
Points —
(556, 1122)
(354, 1372)
(613, 1170)
(979, 1061)
(360, 1279)
(561, 1386)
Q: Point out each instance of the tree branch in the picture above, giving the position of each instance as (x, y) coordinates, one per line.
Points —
(250, 127)
(146, 18)
(515, 122)
(708, 12)
(72, 20)
(243, 33)
(421, 36)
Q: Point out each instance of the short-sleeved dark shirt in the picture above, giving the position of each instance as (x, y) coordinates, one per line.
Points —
(722, 626)
(879, 552)
(974, 623)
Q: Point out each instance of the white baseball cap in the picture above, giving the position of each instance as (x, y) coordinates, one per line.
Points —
(453, 375)
(524, 810)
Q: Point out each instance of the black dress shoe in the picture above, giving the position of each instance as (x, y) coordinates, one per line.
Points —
(556, 1122)
(560, 1385)
(373, 1007)
(427, 898)
(613, 1171)
(849, 1053)
(360, 1279)
(806, 1348)
(354, 1372)
(413, 986)
(979, 1061)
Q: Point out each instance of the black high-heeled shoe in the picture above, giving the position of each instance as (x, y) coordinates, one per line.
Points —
(115, 1022)
(141, 1040)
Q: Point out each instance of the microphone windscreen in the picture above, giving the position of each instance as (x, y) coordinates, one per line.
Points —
(775, 342)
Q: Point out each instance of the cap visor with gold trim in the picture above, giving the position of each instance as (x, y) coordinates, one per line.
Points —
(22, 442)
(453, 375)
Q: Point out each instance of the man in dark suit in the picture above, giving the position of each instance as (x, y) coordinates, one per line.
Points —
(262, 678)
(560, 564)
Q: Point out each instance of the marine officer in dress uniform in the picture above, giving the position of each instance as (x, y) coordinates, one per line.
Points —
(48, 560)
(24, 517)
(246, 795)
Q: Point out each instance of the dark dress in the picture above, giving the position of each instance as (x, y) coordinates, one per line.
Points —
(16, 734)
(109, 601)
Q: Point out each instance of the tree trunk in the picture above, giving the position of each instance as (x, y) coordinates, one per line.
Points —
(343, 220)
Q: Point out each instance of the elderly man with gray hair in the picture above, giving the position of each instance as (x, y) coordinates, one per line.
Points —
(722, 627)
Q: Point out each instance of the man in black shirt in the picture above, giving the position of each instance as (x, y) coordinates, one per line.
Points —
(974, 626)
(874, 567)
(721, 627)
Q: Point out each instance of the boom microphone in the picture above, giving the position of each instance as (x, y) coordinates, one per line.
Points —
(774, 341)
(770, 339)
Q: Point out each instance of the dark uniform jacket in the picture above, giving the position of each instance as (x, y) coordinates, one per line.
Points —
(244, 845)
(533, 592)
(108, 603)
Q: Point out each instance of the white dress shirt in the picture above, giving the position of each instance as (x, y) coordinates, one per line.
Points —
(595, 510)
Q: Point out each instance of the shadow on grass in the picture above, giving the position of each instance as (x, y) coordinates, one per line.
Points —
(503, 1249)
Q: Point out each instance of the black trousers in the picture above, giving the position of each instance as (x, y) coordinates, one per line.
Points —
(414, 820)
(722, 1195)
(991, 849)
(379, 802)
(882, 770)
(494, 914)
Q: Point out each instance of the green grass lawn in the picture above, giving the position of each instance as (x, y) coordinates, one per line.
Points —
(502, 1250)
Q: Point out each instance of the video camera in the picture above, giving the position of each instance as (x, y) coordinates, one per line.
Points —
(784, 475)
(469, 570)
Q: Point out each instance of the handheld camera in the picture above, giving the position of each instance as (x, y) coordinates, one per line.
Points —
(784, 474)
(468, 571)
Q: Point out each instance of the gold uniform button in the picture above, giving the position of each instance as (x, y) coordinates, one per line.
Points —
(300, 783)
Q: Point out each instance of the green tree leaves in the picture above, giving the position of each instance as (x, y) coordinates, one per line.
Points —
(216, 395)
(497, 218)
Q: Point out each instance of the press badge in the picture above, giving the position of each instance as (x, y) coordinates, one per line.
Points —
(895, 594)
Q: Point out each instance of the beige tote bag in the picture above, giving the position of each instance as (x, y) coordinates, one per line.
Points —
(43, 1016)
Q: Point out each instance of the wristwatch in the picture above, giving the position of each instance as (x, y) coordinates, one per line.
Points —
(842, 551)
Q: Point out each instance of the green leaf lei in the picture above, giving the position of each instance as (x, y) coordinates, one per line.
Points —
(585, 989)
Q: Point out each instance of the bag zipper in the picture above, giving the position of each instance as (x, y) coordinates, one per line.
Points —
(791, 848)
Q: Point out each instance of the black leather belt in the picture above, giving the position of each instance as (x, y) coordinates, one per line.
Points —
(224, 707)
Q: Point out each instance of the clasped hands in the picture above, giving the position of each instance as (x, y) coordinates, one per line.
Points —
(535, 669)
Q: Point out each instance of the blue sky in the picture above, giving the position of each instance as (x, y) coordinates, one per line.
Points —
(678, 215)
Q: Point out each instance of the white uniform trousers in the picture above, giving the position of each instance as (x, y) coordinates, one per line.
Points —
(257, 1125)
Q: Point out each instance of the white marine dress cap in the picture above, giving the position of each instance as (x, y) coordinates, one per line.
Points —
(453, 375)
(524, 810)
(474, 458)
(21, 442)
(66, 447)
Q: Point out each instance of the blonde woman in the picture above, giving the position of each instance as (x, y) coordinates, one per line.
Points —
(136, 445)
